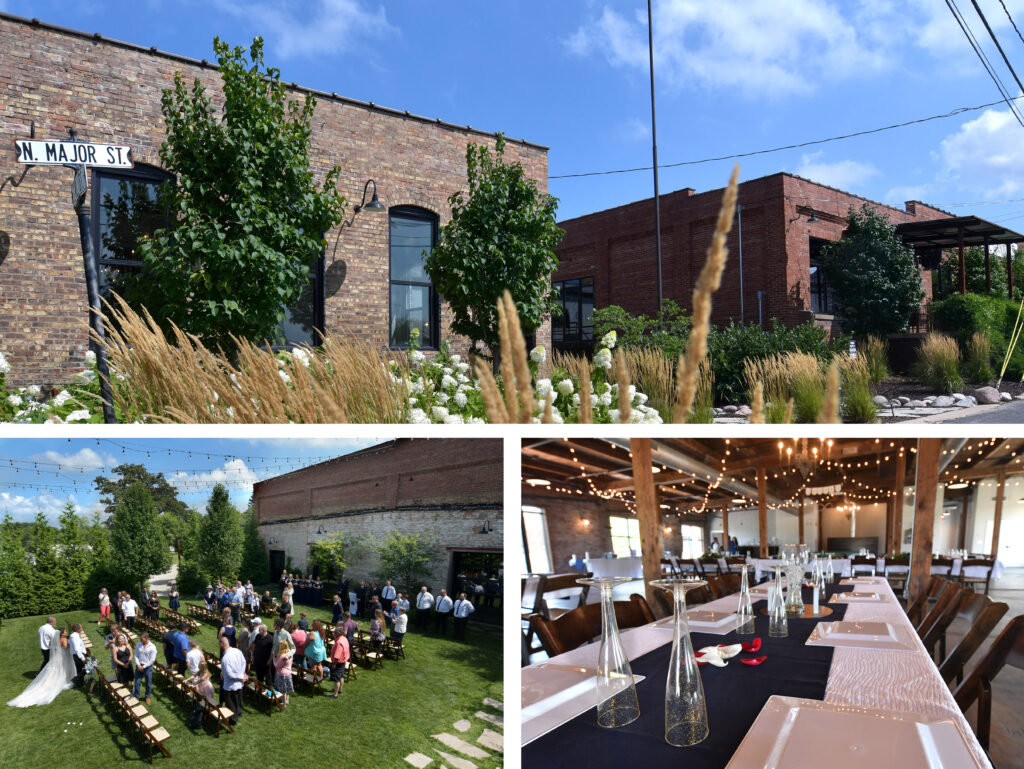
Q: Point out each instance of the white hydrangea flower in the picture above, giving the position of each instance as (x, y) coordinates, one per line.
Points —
(412, 401)
(538, 354)
(416, 386)
(447, 371)
(603, 358)
(438, 413)
(14, 400)
(631, 392)
(302, 356)
(456, 358)
(90, 358)
(4, 365)
(454, 419)
(576, 399)
(461, 400)
(462, 367)
(448, 382)
(640, 398)
(606, 399)
(61, 398)
(284, 376)
(78, 415)
(462, 378)
(231, 411)
(476, 421)
(609, 339)
(417, 357)
(418, 417)
(33, 390)
(280, 363)
(614, 415)
(565, 386)
(441, 397)
(543, 388)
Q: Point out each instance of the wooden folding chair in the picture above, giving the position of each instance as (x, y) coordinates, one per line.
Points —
(723, 585)
(972, 581)
(1008, 649)
(582, 625)
(934, 626)
(916, 608)
(983, 614)
(863, 563)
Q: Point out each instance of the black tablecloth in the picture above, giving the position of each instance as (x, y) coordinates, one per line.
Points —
(734, 695)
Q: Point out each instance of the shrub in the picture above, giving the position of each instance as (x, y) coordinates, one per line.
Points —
(938, 363)
(667, 331)
(962, 315)
(874, 351)
(978, 358)
(807, 386)
(856, 378)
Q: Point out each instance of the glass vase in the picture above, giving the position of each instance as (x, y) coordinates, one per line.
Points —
(745, 607)
(617, 703)
(778, 626)
(686, 716)
(795, 568)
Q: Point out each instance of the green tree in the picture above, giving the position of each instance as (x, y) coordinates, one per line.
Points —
(876, 283)
(220, 537)
(16, 596)
(974, 257)
(75, 558)
(667, 331)
(333, 554)
(254, 551)
(502, 235)
(248, 218)
(47, 587)
(171, 511)
(408, 558)
(138, 549)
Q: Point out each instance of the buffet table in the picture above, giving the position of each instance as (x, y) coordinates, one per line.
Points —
(559, 723)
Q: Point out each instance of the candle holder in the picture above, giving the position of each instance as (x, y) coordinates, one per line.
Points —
(617, 703)
(686, 715)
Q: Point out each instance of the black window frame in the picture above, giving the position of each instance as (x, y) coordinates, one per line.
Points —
(318, 274)
(820, 292)
(424, 215)
(558, 335)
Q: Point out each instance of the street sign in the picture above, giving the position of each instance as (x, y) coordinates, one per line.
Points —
(60, 153)
(79, 186)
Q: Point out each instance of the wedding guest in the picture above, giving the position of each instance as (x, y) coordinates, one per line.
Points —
(145, 656)
(104, 606)
(267, 602)
(281, 634)
(204, 685)
(303, 622)
(121, 655)
(299, 637)
(227, 632)
(715, 547)
(349, 628)
(400, 625)
(377, 631)
(360, 592)
(442, 610)
(111, 641)
(233, 678)
(337, 609)
(181, 648)
(284, 611)
(262, 650)
(210, 598)
(174, 601)
(283, 667)
(287, 593)
(403, 602)
(168, 642)
(145, 601)
(424, 603)
(243, 638)
(340, 653)
(236, 598)
(388, 593)
(129, 608)
(78, 653)
(316, 652)
(375, 605)
(47, 632)
(254, 602)
(194, 659)
(491, 590)
(154, 606)
(734, 546)
(463, 609)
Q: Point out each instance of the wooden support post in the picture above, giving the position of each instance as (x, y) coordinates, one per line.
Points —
(988, 276)
(821, 527)
(961, 534)
(725, 526)
(963, 262)
(649, 514)
(928, 451)
(800, 524)
(899, 483)
(997, 520)
(890, 503)
(762, 510)
(1009, 271)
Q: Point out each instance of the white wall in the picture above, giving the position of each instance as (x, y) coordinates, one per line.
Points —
(782, 526)
(980, 523)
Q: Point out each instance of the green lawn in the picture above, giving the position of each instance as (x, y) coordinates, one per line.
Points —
(379, 719)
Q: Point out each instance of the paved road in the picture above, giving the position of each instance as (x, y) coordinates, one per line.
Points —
(1008, 413)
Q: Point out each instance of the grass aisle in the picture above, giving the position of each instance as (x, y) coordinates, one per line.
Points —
(379, 719)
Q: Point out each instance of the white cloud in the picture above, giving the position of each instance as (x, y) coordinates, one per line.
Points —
(23, 508)
(636, 130)
(84, 459)
(986, 156)
(312, 28)
(845, 174)
(234, 471)
(335, 445)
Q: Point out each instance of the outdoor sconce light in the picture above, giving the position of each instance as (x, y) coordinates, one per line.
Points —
(374, 206)
(486, 528)
(814, 217)
(584, 520)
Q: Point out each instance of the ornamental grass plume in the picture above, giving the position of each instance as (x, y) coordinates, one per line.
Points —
(518, 404)
(181, 380)
(579, 369)
(652, 373)
(494, 406)
(830, 409)
(622, 379)
(757, 405)
(710, 279)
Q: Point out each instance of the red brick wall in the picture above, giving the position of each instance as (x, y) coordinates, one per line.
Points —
(111, 92)
(617, 247)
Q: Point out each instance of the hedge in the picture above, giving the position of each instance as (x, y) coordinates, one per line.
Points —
(962, 315)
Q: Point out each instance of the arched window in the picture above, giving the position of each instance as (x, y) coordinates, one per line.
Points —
(414, 303)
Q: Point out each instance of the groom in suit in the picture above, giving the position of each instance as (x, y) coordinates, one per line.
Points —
(77, 652)
(47, 632)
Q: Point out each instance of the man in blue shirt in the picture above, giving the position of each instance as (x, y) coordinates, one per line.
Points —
(181, 646)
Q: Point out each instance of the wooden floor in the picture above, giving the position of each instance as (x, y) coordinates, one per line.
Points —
(1007, 737)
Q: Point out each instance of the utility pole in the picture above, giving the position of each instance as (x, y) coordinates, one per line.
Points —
(654, 147)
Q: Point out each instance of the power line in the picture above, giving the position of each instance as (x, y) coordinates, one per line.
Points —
(1008, 100)
(1007, 12)
(996, 41)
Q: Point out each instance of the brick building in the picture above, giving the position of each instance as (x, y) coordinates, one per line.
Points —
(448, 488)
(608, 257)
(370, 282)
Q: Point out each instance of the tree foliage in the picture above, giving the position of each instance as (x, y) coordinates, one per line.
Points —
(974, 257)
(876, 283)
(502, 235)
(171, 511)
(333, 554)
(220, 537)
(138, 549)
(667, 331)
(407, 558)
(16, 598)
(254, 551)
(247, 218)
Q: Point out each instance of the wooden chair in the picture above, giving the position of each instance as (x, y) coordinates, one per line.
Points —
(865, 563)
(983, 614)
(733, 561)
(394, 649)
(694, 597)
(942, 566)
(941, 617)
(974, 581)
(582, 625)
(1008, 649)
(897, 574)
(724, 585)
(668, 569)
(916, 608)
(552, 583)
(707, 569)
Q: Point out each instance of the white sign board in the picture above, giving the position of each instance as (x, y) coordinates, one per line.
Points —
(58, 153)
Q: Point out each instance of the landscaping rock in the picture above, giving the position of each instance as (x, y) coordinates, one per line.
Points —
(917, 404)
(1019, 397)
(943, 402)
(904, 400)
(881, 400)
(987, 395)
(744, 411)
(958, 396)
(730, 409)
(964, 403)
(1005, 397)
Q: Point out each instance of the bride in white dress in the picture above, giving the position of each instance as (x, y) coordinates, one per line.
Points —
(57, 675)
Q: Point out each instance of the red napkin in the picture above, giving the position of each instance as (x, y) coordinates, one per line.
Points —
(754, 661)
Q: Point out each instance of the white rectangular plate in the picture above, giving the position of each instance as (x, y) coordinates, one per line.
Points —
(708, 618)
(861, 635)
(863, 581)
(856, 597)
(791, 733)
(553, 694)
(725, 625)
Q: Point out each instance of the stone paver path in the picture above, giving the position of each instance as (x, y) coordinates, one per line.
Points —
(492, 740)
(489, 739)
(462, 726)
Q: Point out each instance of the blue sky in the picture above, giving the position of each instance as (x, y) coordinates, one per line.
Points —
(733, 76)
(44, 474)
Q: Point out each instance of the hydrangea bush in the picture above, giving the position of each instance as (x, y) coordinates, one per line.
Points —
(78, 402)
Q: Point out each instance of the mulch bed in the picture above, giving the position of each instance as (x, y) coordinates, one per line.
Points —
(913, 389)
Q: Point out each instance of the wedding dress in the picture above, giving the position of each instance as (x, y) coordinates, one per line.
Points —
(57, 675)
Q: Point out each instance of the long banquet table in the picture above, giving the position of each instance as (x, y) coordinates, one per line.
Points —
(564, 733)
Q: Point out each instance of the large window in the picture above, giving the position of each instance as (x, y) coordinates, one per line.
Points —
(625, 536)
(414, 304)
(822, 300)
(693, 541)
(127, 208)
(576, 323)
(536, 546)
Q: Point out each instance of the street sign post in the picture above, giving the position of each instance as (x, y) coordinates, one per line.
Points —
(78, 187)
(72, 153)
